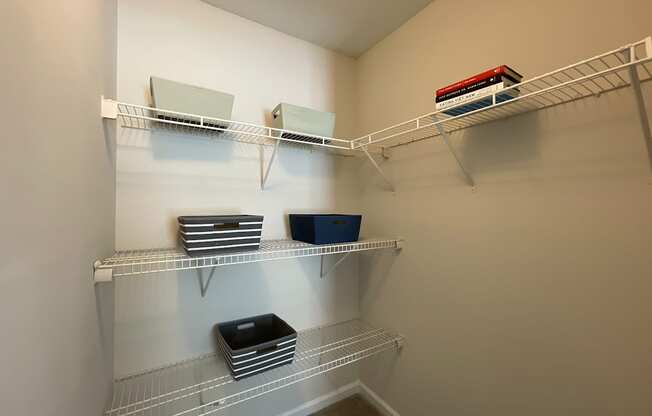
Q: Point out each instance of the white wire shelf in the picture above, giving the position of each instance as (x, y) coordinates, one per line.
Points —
(137, 262)
(627, 66)
(588, 78)
(204, 386)
(147, 118)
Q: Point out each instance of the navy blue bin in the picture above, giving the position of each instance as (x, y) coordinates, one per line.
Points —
(325, 228)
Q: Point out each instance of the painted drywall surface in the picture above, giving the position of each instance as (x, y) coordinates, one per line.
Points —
(57, 179)
(528, 296)
(162, 318)
(340, 25)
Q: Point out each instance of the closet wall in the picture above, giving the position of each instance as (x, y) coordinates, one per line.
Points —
(57, 182)
(531, 294)
(162, 318)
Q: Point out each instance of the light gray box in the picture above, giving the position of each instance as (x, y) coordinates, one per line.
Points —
(303, 120)
(184, 98)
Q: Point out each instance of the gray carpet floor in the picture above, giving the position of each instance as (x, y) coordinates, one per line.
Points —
(351, 406)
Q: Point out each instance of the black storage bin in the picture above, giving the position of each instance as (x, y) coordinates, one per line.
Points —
(209, 234)
(325, 228)
(253, 345)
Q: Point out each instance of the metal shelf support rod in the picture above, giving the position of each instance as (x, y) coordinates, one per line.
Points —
(263, 179)
(445, 136)
(322, 269)
(380, 171)
(203, 285)
(640, 101)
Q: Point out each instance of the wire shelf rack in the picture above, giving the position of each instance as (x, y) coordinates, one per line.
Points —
(147, 118)
(204, 386)
(588, 78)
(627, 66)
(136, 262)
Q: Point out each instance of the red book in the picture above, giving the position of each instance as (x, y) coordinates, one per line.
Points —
(500, 70)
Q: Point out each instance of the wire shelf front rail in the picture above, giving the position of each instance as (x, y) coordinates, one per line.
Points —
(136, 262)
(588, 78)
(204, 385)
(148, 118)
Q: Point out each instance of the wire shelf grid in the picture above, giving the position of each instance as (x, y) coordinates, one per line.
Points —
(594, 76)
(135, 262)
(203, 385)
(147, 118)
(591, 77)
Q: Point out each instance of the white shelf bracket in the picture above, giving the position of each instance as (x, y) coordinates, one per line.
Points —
(203, 285)
(380, 171)
(322, 269)
(100, 274)
(265, 171)
(109, 108)
(640, 101)
(446, 138)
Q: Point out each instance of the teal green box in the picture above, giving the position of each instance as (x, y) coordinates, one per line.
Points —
(184, 98)
(303, 120)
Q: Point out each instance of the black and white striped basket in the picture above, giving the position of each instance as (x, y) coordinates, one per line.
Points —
(253, 345)
(211, 234)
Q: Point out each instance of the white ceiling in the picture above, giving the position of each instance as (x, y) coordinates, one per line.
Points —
(347, 26)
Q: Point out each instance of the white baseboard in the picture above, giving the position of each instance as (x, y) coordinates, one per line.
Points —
(375, 400)
(325, 400)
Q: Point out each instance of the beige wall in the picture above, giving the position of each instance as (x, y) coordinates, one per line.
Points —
(530, 295)
(57, 182)
(162, 318)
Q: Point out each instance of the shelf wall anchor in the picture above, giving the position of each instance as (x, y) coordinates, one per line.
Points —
(640, 101)
(399, 342)
(322, 269)
(380, 171)
(446, 137)
(203, 285)
(108, 108)
(265, 171)
(100, 274)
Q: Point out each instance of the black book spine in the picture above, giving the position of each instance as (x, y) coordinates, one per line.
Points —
(515, 76)
(473, 87)
(469, 88)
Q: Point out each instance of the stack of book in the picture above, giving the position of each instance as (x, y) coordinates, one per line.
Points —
(477, 91)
